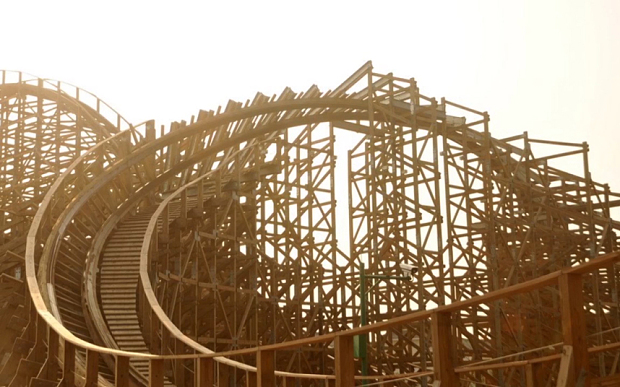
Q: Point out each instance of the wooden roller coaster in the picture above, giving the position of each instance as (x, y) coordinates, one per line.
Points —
(247, 247)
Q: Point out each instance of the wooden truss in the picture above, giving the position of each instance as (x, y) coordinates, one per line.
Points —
(228, 248)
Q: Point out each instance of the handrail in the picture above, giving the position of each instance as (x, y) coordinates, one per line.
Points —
(524, 287)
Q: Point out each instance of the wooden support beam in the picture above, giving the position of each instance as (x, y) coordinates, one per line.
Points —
(183, 213)
(146, 314)
(565, 375)
(68, 366)
(251, 379)
(165, 338)
(265, 368)
(574, 327)
(223, 375)
(52, 354)
(201, 195)
(345, 363)
(92, 368)
(502, 209)
(205, 372)
(38, 351)
(530, 380)
(156, 373)
(121, 374)
(443, 360)
(533, 375)
(155, 341)
(179, 364)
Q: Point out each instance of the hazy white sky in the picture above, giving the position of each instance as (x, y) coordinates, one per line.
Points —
(551, 68)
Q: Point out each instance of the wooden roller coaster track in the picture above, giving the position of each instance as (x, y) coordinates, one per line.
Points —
(228, 250)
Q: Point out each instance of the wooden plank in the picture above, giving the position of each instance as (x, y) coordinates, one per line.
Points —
(36, 382)
(121, 372)
(156, 373)
(250, 379)
(26, 370)
(154, 342)
(594, 264)
(179, 373)
(443, 359)
(565, 377)
(92, 368)
(223, 375)
(265, 367)
(345, 363)
(52, 354)
(68, 366)
(574, 326)
(205, 372)
(530, 380)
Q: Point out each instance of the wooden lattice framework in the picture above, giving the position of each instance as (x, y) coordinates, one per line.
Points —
(250, 241)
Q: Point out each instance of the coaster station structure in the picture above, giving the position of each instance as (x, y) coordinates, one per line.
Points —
(228, 249)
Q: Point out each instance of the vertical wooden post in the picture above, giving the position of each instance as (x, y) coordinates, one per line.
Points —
(149, 136)
(443, 361)
(574, 326)
(52, 354)
(201, 195)
(179, 364)
(146, 312)
(156, 373)
(121, 374)
(265, 368)
(223, 375)
(251, 379)
(530, 376)
(566, 373)
(204, 372)
(68, 366)
(183, 204)
(533, 377)
(154, 334)
(38, 351)
(530, 379)
(165, 221)
(165, 338)
(92, 368)
(345, 364)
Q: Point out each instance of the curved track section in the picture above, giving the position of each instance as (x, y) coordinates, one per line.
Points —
(118, 284)
(226, 234)
(45, 125)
